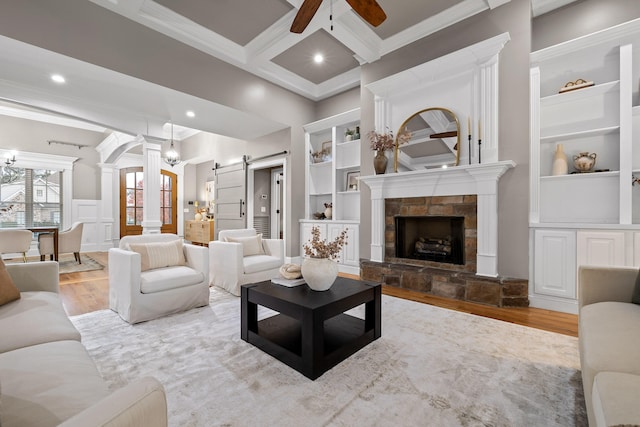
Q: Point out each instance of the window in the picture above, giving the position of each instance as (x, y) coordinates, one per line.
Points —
(30, 197)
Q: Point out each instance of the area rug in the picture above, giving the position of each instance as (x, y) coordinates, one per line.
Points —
(67, 263)
(431, 367)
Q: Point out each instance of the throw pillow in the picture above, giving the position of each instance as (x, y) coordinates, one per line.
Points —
(8, 290)
(251, 245)
(159, 254)
(635, 298)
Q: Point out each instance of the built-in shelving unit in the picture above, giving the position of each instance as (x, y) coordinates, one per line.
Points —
(328, 173)
(584, 218)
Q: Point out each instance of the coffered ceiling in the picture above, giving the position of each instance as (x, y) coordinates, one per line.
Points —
(254, 36)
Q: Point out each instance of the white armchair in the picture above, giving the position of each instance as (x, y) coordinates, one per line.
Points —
(153, 275)
(15, 241)
(69, 241)
(241, 256)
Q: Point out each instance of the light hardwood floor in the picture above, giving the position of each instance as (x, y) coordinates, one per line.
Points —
(84, 292)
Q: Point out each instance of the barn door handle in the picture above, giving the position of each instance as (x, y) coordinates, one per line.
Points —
(241, 203)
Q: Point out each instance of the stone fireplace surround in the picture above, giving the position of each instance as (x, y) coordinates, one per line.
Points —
(453, 191)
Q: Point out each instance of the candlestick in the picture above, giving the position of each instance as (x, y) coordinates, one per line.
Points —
(469, 136)
(479, 129)
(479, 151)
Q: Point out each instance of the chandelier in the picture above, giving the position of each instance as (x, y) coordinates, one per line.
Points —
(8, 174)
(9, 160)
(172, 157)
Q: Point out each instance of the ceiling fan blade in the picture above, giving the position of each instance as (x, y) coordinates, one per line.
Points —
(304, 15)
(369, 10)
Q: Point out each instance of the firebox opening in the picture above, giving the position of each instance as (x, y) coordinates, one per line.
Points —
(430, 238)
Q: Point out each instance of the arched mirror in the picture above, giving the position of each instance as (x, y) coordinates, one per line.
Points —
(434, 142)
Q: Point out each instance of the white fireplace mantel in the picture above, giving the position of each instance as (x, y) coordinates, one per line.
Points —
(477, 179)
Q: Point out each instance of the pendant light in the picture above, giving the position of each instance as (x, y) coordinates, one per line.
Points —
(172, 157)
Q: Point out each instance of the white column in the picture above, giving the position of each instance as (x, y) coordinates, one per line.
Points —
(487, 244)
(382, 115)
(377, 227)
(151, 158)
(109, 210)
(534, 146)
(67, 195)
(488, 111)
(626, 134)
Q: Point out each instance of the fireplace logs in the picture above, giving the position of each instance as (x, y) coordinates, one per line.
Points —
(432, 247)
(430, 238)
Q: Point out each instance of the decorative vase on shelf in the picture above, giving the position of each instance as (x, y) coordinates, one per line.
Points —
(584, 162)
(560, 165)
(328, 210)
(198, 216)
(319, 273)
(380, 162)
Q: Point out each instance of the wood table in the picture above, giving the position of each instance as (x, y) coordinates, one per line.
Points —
(53, 230)
(311, 333)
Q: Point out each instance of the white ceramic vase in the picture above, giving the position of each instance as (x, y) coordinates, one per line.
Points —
(328, 213)
(319, 273)
(560, 165)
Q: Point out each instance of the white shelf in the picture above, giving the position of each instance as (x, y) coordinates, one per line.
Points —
(320, 165)
(347, 168)
(347, 143)
(580, 134)
(580, 176)
(580, 95)
(326, 181)
(595, 119)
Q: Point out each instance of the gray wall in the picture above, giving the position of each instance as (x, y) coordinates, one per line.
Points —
(338, 104)
(513, 17)
(32, 136)
(581, 18)
(262, 186)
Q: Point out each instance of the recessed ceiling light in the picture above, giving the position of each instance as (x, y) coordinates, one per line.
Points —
(318, 58)
(58, 78)
(190, 114)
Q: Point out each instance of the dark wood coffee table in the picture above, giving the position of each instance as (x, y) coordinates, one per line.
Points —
(311, 333)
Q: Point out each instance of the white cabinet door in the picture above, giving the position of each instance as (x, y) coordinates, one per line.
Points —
(555, 260)
(601, 248)
(350, 252)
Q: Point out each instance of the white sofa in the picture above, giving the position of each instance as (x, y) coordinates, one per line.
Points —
(241, 256)
(47, 377)
(138, 294)
(609, 331)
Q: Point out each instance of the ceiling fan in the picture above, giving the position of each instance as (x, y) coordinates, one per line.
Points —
(369, 10)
